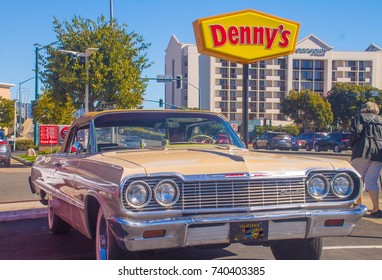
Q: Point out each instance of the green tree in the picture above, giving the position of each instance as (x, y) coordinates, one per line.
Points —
(47, 110)
(114, 71)
(308, 110)
(7, 111)
(346, 100)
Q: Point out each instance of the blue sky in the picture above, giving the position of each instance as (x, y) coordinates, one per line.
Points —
(345, 25)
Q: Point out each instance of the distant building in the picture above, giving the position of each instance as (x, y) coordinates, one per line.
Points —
(314, 65)
(5, 90)
(5, 93)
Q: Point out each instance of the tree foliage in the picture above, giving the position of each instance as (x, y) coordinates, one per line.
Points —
(7, 111)
(48, 111)
(346, 100)
(308, 110)
(114, 71)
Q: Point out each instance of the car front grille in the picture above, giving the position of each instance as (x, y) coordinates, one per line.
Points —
(240, 193)
(248, 193)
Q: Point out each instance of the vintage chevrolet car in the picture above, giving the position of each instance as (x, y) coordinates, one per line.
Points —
(183, 189)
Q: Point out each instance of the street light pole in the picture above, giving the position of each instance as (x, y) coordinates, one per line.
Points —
(88, 52)
(20, 98)
(36, 95)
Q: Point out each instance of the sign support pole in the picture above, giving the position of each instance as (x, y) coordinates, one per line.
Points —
(245, 117)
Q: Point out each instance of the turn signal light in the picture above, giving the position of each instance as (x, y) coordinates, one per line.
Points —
(334, 223)
(154, 233)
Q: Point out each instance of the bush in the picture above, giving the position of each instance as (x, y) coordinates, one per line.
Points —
(23, 145)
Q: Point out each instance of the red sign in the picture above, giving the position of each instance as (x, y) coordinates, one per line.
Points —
(49, 134)
(63, 131)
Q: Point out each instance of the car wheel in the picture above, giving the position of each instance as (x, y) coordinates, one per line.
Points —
(7, 163)
(268, 147)
(56, 225)
(297, 249)
(336, 149)
(307, 147)
(106, 245)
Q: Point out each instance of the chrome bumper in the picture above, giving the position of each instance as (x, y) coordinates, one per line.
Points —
(215, 229)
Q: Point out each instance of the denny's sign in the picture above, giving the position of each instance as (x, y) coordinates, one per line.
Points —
(245, 36)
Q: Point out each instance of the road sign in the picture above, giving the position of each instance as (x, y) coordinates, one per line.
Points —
(48, 134)
(164, 78)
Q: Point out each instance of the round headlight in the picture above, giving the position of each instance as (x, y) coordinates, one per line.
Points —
(342, 185)
(138, 194)
(166, 193)
(318, 186)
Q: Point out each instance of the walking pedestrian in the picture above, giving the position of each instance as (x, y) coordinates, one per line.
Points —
(366, 144)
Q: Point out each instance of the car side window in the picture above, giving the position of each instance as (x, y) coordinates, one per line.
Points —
(80, 141)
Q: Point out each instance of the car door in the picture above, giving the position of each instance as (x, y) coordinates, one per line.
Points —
(66, 166)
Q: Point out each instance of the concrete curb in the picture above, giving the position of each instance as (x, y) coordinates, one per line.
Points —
(15, 215)
(22, 160)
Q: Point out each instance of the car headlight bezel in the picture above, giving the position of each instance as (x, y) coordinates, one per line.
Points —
(313, 191)
(132, 192)
(350, 189)
(159, 194)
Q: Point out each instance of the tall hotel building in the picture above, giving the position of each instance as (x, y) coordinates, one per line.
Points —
(217, 84)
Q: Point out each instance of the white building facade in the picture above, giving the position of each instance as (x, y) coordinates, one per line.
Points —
(217, 84)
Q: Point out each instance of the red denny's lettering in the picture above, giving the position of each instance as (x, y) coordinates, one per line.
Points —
(249, 35)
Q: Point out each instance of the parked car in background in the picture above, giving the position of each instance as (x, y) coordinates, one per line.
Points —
(336, 141)
(309, 139)
(273, 140)
(192, 193)
(5, 150)
(296, 144)
(133, 142)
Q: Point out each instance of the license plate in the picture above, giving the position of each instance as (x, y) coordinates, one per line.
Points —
(248, 231)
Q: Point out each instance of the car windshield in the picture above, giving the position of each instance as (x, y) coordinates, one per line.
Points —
(152, 130)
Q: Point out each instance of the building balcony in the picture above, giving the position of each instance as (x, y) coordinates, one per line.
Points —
(272, 100)
(277, 67)
(346, 69)
(272, 78)
(343, 80)
(272, 88)
(272, 111)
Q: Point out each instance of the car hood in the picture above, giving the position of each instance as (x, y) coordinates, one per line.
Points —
(220, 161)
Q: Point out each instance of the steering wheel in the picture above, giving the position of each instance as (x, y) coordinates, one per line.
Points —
(201, 138)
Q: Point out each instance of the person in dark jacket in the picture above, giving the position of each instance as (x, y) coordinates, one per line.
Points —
(366, 144)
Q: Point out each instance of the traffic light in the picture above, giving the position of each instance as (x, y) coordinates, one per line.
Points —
(264, 122)
(161, 102)
(33, 103)
(178, 81)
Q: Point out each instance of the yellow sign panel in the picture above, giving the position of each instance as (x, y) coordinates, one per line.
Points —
(245, 36)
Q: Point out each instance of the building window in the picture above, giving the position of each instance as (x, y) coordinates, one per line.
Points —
(319, 64)
(296, 64)
(307, 64)
(306, 85)
(352, 64)
(296, 75)
(307, 75)
(319, 76)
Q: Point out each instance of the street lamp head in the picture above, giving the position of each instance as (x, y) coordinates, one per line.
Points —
(72, 52)
(90, 51)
